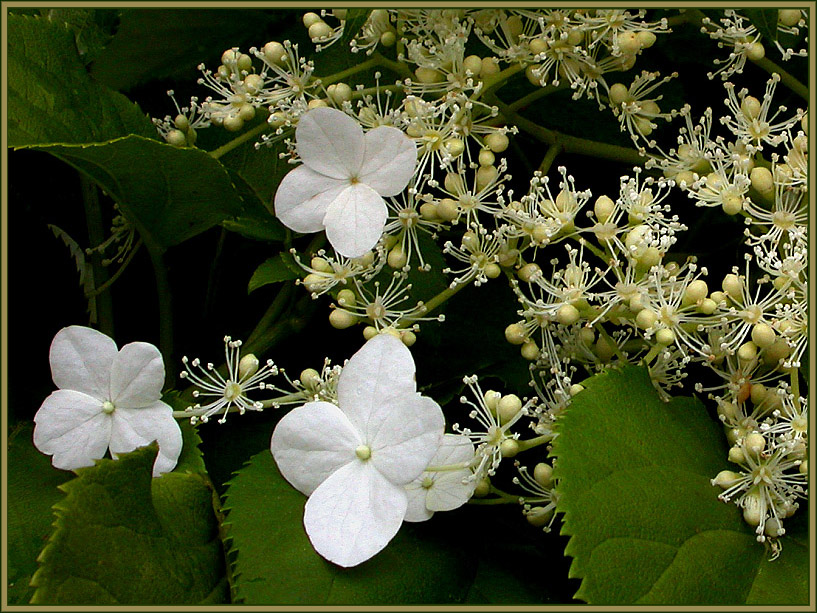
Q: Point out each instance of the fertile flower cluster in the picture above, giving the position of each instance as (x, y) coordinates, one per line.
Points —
(410, 181)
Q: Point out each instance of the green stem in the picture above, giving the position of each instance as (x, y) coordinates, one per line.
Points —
(570, 144)
(787, 79)
(432, 304)
(270, 316)
(96, 236)
(550, 156)
(398, 67)
(240, 140)
(165, 310)
(489, 84)
(611, 342)
(118, 272)
(344, 74)
(526, 101)
(534, 442)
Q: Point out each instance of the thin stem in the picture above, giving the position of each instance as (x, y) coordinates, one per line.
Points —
(240, 140)
(432, 304)
(489, 84)
(165, 311)
(96, 236)
(270, 316)
(534, 442)
(527, 100)
(118, 272)
(343, 74)
(787, 79)
(398, 67)
(550, 156)
(571, 144)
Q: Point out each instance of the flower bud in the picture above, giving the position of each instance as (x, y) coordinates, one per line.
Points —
(732, 286)
(567, 315)
(694, 292)
(725, 479)
(275, 53)
(310, 18)
(447, 209)
(482, 489)
(313, 282)
(428, 75)
(497, 142)
(388, 38)
(618, 94)
(341, 319)
(527, 272)
(646, 39)
(758, 393)
(454, 146)
(310, 378)
(369, 332)
(665, 337)
(750, 107)
(339, 92)
(491, 270)
(316, 103)
(507, 407)
(646, 319)
(604, 349)
(736, 455)
(529, 351)
(490, 67)
(747, 352)
(473, 64)
(708, 306)
(755, 51)
(177, 138)
(515, 334)
(763, 335)
(575, 389)
(233, 123)
(319, 30)
(752, 509)
(247, 366)
(491, 400)
(486, 157)
(408, 337)
(508, 448)
(779, 350)
(774, 528)
(346, 298)
(754, 443)
(538, 516)
(788, 17)
(485, 176)
(543, 474)
(603, 208)
(397, 257)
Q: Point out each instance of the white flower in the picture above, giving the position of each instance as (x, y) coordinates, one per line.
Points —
(449, 485)
(355, 460)
(344, 175)
(108, 398)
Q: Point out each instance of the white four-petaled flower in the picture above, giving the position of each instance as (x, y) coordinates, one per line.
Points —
(345, 174)
(354, 460)
(108, 398)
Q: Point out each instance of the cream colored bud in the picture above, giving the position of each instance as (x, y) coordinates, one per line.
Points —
(543, 474)
(453, 182)
(428, 211)
(755, 51)
(233, 123)
(665, 336)
(733, 286)
(428, 75)
(310, 378)
(707, 306)
(397, 258)
(486, 157)
(736, 455)
(529, 351)
(575, 389)
(447, 209)
(340, 92)
(491, 270)
(515, 334)
(247, 366)
(758, 393)
(313, 282)
(718, 297)
(319, 30)
(646, 318)
(454, 146)
(618, 93)
(646, 39)
(779, 350)
(763, 335)
(310, 18)
(339, 14)
(567, 315)
(728, 410)
(537, 45)
(482, 489)
(789, 17)
(754, 443)
(490, 67)
(340, 319)
(408, 337)
(473, 64)
(732, 203)
(388, 38)
(369, 332)
(604, 349)
(628, 42)
(651, 257)
(508, 448)
(316, 103)
(762, 180)
(538, 516)
(527, 272)
(603, 208)
(747, 351)
(346, 298)
(752, 510)
(697, 290)
(485, 176)
(725, 479)
(177, 138)
(491, 400)
(497, 142)
(507, 407)
(750, 107)
(275, 52)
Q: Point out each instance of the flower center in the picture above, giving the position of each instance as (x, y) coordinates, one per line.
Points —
(427, 482)
(232, 390)
(363, 452)
(108, 407)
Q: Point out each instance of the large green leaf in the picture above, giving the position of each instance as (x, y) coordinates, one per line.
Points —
(32, 491)
(123, 537)
(765, 20)
(51, 98)
(355, 19)
(255, 220)
(274, 563)
(646, 525)
(171, 194)
(275, 270)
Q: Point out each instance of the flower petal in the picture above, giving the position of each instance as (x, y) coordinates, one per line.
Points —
(138, 427)
(137, 376)
(312, 442)
(354, 514)
(71, 427)
(450, 491)
(417, 510)
(405, 434)
(330, 142)
(81, 360)
(303, 197)
(380, 370)
(389, 162)
(355, 220)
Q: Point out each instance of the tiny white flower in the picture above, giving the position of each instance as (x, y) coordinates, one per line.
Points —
(343, 179)
(448, 485)
(108, 399)
(354, 461)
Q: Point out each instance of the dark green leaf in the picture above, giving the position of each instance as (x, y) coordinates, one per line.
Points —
(765, 20)
(274, 562)
(170, 194)
(51, 98)
(32, 491)
(355, 19)
(262, 168)
(275, 270)
(645, 522)
(255, 220)
(123, 537)
(93, 28)
(179, 41)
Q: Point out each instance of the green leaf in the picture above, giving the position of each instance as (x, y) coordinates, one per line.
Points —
(179, 40)
(170, 194)
(274, 562)
(275, 270)
(261, 168)
(255, 220)
(765, 20)
(646, 525)
(355, 19)
(785, 580)
(32, 491)
(93, 28)
(51, 98)
(123, 537)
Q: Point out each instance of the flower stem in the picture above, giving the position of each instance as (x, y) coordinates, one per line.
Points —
(432, 304)
(787, 79)
(343, 74)
(96, 236)
(240, 140)
(570, 144)
(165, 310)
(534, 442)
(489, 84)
(118, 272)
(550, 156)
(398, 67)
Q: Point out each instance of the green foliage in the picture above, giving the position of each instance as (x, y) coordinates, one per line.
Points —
(170, 194)
(32, 491)
(646, 525)
(93, 28)
(355, 19)
(275, 270)
(274, 563)
(51, 98)
(123, 537)
(179, 41)
(254, 220)
(765, 20)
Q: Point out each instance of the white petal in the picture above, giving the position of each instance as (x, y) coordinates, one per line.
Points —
(312, 442)
(303, 197)
(380, 370)
(355, 220)
(81, 360)
(449, 492)
(72, 427)
(137, 376)
(405, 434)
(354, 514)
(133, 428)
(417, 510)
(330, 142)
(389, 161)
